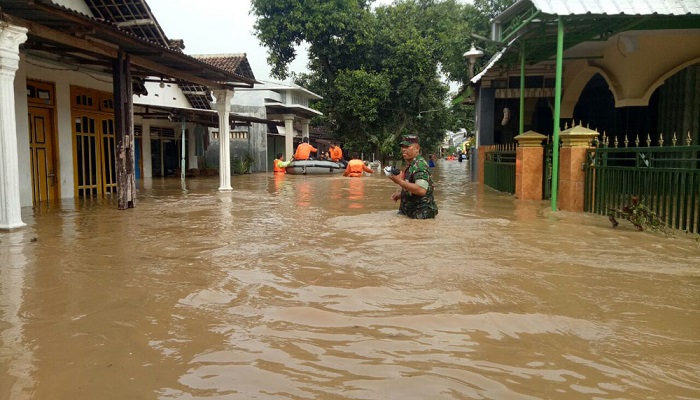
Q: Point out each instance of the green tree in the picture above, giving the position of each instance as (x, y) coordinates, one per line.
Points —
(379, 70)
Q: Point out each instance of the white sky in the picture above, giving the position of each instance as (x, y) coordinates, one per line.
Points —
(219, 27)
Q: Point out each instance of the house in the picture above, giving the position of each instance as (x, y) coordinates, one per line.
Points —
(73, 67)
(623, 73)
(285, 102)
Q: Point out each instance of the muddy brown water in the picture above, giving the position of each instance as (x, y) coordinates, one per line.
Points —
(311, 287)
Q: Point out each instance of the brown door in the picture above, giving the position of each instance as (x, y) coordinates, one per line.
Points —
(41, 149)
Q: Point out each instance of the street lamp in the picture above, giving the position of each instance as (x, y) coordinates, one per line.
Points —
(472, 55)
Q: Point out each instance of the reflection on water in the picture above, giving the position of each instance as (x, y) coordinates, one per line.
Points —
(311, 287)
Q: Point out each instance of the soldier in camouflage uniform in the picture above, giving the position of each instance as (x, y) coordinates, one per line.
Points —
(416, 184)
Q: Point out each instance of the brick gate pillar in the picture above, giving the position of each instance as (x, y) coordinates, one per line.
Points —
(572, 158)
(529, 165)
(481, 152)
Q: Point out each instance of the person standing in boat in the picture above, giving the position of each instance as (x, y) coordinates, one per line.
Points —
(336, 154)
(415, 183)
(304, 149)
(279, 165)
(356, 167)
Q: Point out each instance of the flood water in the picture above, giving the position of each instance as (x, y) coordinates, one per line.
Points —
(312, 287)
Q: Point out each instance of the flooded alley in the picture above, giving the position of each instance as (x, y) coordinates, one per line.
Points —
(312, 287)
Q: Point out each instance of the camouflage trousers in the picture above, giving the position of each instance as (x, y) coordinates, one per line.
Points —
(424, 213)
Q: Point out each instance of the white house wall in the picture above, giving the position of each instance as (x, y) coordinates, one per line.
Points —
(168, 96)
(62, 78)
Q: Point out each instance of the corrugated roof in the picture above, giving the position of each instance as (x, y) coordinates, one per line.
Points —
(612, 7)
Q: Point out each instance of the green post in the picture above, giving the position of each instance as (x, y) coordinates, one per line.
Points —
(183, 126)
(521, 127)
(557, 113)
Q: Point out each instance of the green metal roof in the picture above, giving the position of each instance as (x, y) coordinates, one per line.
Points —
(534, 22)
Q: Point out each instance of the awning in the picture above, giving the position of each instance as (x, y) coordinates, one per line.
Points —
(61, 34)
(494, 59)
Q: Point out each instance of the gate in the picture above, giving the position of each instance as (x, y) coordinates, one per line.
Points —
(499, 167)
(665, 179)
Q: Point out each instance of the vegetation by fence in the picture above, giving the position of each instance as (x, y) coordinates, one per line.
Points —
(665, 179)
(499, 167)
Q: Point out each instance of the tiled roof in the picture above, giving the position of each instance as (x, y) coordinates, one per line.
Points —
(232, 63)
(612, 7)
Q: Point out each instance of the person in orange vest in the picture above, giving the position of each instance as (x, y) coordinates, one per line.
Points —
(279, 165)
(336, 154)
(304, 149)
(356, 166)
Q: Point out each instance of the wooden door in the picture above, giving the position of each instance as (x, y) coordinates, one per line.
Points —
(41, 153)
(94, 143)
(87, 183)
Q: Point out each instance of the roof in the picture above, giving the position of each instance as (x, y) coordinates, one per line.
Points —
(200, 96)
(629, 7)
(134, 16)
(274, 86)
(67, 36)
(236, 64)
(534, 22)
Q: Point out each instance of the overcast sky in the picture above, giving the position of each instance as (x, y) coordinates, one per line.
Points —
(219, 27)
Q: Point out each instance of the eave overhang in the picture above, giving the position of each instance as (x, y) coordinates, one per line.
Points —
(56, 31)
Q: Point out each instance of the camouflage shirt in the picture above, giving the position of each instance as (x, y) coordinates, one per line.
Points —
(413, 206)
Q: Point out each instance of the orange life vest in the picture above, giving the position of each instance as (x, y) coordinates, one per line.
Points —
(336, 153)
(355, 168)
(303, 151)
(277, 169)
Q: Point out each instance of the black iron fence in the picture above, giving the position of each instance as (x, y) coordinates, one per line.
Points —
(664, 179)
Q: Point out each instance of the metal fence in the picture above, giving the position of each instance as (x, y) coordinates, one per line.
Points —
(664, 179)
(499, 168)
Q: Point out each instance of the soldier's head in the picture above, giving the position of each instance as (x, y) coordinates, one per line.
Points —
(410, 147)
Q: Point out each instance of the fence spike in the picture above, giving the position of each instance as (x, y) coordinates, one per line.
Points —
(627, 142)
(636, 141)
(674, 140)
(648, 139)
(616, 142)
(606, 139)
(689, 139)
(661, 139)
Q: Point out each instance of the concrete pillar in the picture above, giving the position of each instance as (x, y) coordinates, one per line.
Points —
(288, 136)
(10, 205)
(192, 149)
(223, 107)
(304, 128)
(572, 158)
(146, 148)
(529, 166)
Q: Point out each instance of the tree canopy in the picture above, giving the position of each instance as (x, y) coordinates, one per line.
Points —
(380, 70)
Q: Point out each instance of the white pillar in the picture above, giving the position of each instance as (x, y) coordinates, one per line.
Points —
(10, 205)
(288, 136)
(304, 128)
(223, 107)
